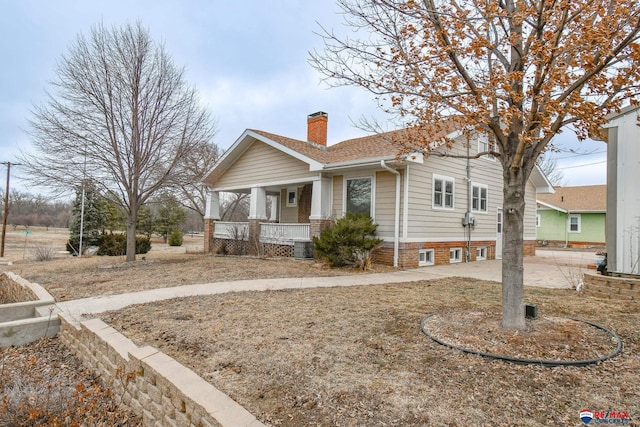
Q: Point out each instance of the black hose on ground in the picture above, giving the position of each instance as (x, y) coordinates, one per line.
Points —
(541, 362)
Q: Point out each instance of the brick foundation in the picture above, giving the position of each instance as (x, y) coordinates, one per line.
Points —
(317, 225)
(209, 229)
(254, 236)
(408, 252)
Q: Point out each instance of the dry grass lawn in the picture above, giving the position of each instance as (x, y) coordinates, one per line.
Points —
(67, 277)
(357, 357)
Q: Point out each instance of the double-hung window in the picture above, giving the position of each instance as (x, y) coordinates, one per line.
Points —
(479, 197)
(358, 196)
(443, 192)
(574, 223)
(486, 144)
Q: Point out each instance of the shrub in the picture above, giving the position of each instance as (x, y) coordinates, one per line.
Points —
(115, 244)
(349, 241)
(175, 237)
(43, 253)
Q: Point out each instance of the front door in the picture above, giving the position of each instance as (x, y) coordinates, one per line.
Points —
(499, 234)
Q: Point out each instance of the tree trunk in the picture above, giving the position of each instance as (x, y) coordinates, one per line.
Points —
(131, 232)
(513, 251)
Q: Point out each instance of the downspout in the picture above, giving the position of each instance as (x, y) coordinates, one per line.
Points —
(469, 202)
(566, 229)
(396, 232)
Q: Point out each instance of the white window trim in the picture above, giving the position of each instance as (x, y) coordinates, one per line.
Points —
(480, 186)
(579, 217)
(458, 251)
(295, 199)
(538, 220)
(433, 190)
(426, 251)
(481, 257)
(373, 193)
(485, 144)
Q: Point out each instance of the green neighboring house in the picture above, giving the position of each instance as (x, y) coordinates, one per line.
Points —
(572, 216)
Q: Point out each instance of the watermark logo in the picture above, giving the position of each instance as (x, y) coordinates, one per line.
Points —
(586, 416)
(604, 417)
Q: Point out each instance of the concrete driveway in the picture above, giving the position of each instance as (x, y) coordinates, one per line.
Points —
(548, 269)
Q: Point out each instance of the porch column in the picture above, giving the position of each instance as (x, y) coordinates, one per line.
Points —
(274, 208)
(211, 215)
(257, 213)
(320, 217)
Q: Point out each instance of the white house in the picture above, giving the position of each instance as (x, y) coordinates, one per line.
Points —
(622, 135)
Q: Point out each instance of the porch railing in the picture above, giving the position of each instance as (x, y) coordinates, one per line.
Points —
(284, 234)
(232, 230)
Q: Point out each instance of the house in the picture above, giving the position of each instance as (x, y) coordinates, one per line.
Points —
(572, 216)
(622, 135)
(429, 209)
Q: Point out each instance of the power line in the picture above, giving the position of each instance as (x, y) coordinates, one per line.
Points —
(581, 166)
(579, 154)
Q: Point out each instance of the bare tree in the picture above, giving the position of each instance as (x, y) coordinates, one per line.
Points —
(188, 184)
(518, 70)
(235, 207)
(121, 113)
(549, 166)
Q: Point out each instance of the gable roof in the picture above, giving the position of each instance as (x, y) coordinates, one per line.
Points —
(352, 152)
(377, 146)
(586, 198)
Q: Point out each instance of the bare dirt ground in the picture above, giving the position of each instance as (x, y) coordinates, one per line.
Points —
(357, 356)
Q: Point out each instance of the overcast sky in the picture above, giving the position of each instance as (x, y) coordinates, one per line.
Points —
(248, 59)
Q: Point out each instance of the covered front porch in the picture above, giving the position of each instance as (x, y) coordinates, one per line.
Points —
(280, 215)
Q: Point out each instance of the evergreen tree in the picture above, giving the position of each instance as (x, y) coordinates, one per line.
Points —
(171, 215)
(94, 220)
(146, 221)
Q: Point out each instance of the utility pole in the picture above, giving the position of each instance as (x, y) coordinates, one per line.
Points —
(6, 205)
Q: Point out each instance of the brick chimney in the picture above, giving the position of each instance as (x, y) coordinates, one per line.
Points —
(317, 128)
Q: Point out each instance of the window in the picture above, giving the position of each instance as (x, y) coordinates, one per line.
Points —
(425, 257)
(455, 255)
(481, 253)
(358, 196)
(443, 192)
(292, 197)
(479, 197)
(486, 144)
(537, 220)
(574, 223)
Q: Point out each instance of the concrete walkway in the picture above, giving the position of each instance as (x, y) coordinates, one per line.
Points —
(549, 269)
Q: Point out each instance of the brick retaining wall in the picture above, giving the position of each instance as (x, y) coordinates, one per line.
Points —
(621, 288)
(155, 386)
(14, 289)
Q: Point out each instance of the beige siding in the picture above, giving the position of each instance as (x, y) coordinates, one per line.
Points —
(425, 222)
(262, 164)
(385, 202)
(338, 191)
(530, 212)
(287, 214)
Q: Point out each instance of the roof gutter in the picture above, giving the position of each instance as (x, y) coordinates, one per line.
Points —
(396, 231)
(353, 163)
